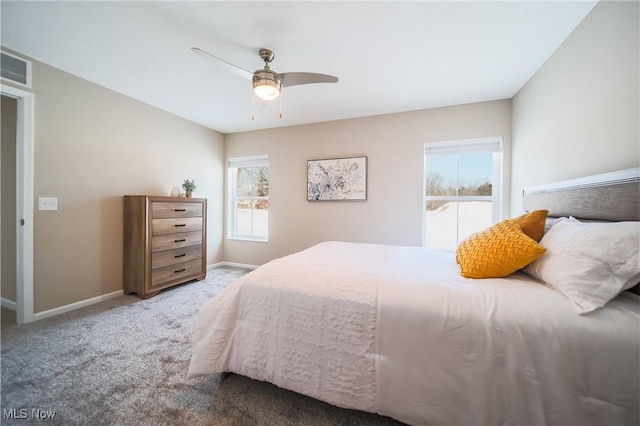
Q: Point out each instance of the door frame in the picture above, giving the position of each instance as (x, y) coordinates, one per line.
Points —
(24, 201)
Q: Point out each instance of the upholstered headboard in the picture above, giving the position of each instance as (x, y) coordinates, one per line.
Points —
(611, 196)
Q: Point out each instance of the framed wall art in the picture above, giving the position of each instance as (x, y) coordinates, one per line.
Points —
(337, 179)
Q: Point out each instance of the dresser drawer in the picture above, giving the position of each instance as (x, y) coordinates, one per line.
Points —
(174, 272)
(167, 210)
(173, 241)
(171, 226)
(160, 259)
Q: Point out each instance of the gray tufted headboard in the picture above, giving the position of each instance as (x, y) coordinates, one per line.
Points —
(611, 196)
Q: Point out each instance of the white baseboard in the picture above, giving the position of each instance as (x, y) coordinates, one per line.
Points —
(9, 304)
(231, 264)
(76, 305)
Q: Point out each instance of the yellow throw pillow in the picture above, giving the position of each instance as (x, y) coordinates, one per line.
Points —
(532, 223)
(497, 251)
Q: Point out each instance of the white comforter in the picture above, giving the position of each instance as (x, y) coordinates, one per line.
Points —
(398, 331)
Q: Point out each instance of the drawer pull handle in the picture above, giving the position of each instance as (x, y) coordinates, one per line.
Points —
(179, 225)
(180, 241)
(180, 270)
(180, 255)
(179, 210)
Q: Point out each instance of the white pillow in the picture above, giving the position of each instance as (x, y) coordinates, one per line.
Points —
(553, 221)
(590, 263)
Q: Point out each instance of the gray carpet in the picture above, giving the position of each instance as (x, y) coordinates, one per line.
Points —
(124, 362)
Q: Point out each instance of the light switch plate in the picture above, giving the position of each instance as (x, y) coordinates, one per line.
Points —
(47, 203)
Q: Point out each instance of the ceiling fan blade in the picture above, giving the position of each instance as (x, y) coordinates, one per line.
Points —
(234, 68)
(295, 78)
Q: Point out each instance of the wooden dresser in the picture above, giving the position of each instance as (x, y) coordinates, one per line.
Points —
(165, 242)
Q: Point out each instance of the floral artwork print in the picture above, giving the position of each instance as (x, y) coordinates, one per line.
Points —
(338, 179)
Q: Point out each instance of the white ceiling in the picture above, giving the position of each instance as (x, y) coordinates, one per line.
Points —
(390, 56)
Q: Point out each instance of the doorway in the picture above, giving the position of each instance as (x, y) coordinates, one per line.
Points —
(24, 193)
(8, 230)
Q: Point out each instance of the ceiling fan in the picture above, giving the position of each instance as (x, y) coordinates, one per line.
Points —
(268, 84)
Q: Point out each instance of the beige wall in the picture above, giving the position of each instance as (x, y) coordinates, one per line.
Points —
(8, 112)
(92, 146)
(394, 145)
(579, 114)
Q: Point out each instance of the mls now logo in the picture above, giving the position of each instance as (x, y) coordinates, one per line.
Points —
(23, 413)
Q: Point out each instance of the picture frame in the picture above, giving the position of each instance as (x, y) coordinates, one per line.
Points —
(337, 179)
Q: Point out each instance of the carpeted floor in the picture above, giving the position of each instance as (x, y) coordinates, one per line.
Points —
(124, 362)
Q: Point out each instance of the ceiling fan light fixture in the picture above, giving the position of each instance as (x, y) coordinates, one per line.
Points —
(266, 85)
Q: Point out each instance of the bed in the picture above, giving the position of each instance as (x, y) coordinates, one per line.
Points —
(398, 331)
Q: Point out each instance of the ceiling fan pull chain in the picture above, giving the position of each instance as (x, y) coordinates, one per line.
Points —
(281, 96)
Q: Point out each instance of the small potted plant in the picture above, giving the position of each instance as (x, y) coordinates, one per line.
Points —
(189, 186)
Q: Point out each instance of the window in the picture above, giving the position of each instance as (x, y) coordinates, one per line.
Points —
(462, 188)
(248, 192)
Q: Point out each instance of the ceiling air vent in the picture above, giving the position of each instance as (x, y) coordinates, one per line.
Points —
(15, 69)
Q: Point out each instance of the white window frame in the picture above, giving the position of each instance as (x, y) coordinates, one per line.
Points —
(232, 164)
(461, 147)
